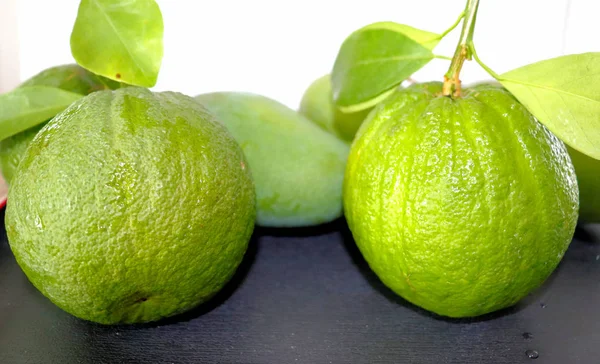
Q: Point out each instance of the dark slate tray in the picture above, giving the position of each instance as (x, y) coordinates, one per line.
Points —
(307, 296)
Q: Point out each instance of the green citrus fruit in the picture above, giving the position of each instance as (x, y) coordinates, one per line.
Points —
(70, 77)
(588, 178)
(461, 206)
(131, 206)
(317, 105)
(298, 168)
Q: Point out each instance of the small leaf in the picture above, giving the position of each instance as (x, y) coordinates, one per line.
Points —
(563, 93)
(375, 59)
(26, 107)
(119, 39)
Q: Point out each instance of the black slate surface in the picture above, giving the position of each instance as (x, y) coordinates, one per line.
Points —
(307, 296)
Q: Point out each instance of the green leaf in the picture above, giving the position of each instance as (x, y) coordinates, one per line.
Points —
(375, 59)
(119, 39)
(427, 39)
(563, 93)
(26, 107)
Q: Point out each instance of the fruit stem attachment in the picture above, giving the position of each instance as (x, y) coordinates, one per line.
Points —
(463, 51)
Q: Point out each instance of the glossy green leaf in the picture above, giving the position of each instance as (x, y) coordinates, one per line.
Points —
(26, 107)
(375, 59)
(119, 39)
(563, 93)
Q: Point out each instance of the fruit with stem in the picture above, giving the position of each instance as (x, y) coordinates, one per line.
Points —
(458, 198)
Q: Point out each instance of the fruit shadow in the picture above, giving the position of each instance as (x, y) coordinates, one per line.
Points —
(359, 261)
(2, 226)
(241, 273)
(588, 233)
(302, 232)
(239, 277)
(218, 299)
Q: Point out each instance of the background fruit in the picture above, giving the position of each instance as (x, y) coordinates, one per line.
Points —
(297, 167)
(13, 149)
(70, 77)
(588, 178)
(131, 206)
(317, 105)
(461, 206)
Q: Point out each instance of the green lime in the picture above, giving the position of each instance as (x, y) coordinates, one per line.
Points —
(131, 206)
(69, 77)
(588, 178)
(461, 206)
(317, 105)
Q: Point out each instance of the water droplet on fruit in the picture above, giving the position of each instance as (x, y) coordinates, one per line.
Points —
(38, 223)
(532, 354)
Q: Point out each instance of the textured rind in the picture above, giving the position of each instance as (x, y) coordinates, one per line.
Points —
(131, 206)
(298, 168)
(317, 105)
(461, 206)
(588, 179)
(69, 77)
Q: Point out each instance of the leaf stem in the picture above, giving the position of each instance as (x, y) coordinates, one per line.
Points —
(451, 79)
(458, 20)
(439, 56)
(483, 65)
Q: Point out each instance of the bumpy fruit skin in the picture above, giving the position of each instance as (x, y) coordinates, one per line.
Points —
(298, 168)
(70, 77)
(131, 206)
(317, 105)
(588, 178)
(461, 206)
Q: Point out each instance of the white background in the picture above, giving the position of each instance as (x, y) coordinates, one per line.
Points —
(277, 47)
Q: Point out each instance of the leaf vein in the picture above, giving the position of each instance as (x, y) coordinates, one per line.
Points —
(550, 89)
